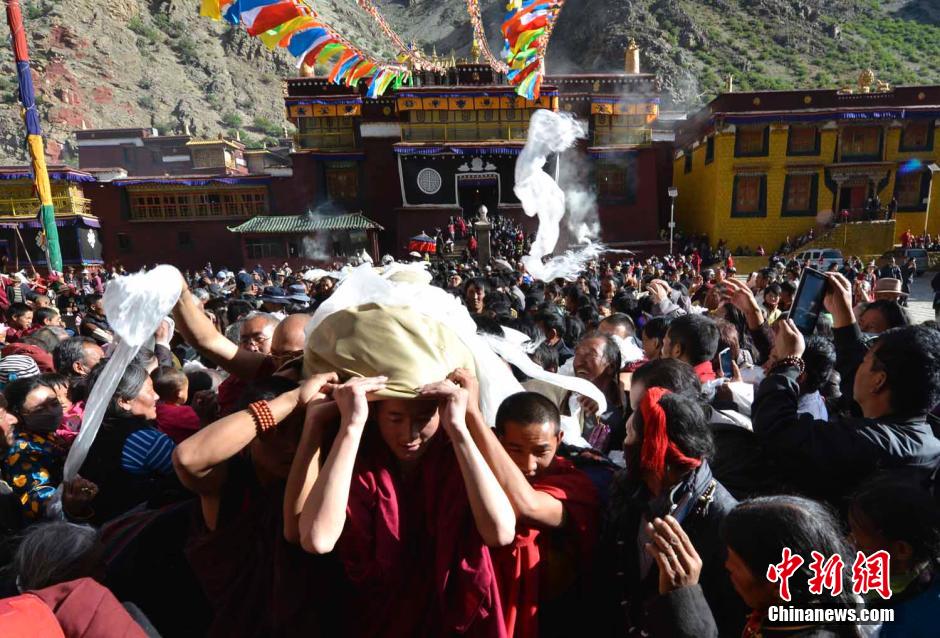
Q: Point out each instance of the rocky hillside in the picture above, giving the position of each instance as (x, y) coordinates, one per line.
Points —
(157, 63)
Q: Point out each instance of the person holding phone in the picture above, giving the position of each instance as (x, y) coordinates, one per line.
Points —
(894, 382)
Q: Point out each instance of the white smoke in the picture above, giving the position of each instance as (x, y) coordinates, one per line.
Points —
(552, 133)
(317, 247)
(581, 222)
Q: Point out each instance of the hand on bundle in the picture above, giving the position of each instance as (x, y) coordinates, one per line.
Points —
(316, 388)
(452, 400)
(352, 399)
(465, 379)
(163, 335)
(679, 563)
(838, 300)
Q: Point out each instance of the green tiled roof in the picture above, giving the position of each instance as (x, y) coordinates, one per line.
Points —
(305, 223)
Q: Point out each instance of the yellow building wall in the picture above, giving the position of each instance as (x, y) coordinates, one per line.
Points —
(769, 231)
(917, 222)
(706, 193)
(933, 214)
(865, 238)
(696, 193)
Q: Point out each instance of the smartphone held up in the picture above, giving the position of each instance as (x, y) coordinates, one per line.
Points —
(808, 300)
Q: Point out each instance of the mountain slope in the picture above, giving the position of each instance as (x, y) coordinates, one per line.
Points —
(157, 63)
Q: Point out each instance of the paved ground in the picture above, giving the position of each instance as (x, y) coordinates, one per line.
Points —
(920, 305)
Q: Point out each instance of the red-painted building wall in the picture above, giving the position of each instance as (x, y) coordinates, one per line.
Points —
(295, 194)
(143, 243)
(636, 219)
(380, 194)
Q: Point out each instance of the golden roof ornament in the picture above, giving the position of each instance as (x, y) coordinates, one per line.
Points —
(475, 51)
(865, 80)
(632, 58)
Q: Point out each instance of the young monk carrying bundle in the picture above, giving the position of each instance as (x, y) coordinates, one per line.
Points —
(409, 509)
(556, 505)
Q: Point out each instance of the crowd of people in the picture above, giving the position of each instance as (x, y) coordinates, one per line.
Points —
(457, 448)
(508, 239)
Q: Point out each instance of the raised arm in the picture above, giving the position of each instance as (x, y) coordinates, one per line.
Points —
(492, 511)
(742, 298)
(199, 458)
(306, 466)
(529, 503)
(324, 512)
(199, 332)
(850, 348)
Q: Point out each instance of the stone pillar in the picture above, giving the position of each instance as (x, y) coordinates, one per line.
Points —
(483, 229)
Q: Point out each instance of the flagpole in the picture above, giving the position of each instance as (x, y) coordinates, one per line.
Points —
(34, 135)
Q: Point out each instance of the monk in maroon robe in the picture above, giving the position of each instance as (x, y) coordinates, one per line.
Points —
(410, 506)
(555, 503)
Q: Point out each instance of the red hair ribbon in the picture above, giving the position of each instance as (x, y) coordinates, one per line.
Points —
(657, 448)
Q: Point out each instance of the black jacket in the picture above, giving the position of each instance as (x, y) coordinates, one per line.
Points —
(829, 459)
(625, 599)
(119, 490)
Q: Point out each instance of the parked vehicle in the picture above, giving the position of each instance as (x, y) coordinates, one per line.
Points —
(902, 254)
(822, 258)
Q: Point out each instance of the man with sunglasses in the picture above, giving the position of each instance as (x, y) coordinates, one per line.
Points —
(895, 383)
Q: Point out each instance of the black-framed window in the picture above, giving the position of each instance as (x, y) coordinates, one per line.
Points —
(803, 140)
(257, 248)
(749, 196)
(710, 149)
(124, 243)
(862, 143)
(752, 141)
(917, 135)
(617, 180)
(342, 181)
(688, 161)
(800, 193)
(910, 189)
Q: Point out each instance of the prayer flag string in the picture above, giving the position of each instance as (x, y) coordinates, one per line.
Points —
(407, 52)
(479, 33)
(527, 29)
(294, 26)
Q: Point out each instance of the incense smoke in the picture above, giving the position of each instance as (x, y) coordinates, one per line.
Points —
(581, 222)
(316, 247)
(549, 133)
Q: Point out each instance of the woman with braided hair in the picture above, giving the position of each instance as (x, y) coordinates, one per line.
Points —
(667, 448)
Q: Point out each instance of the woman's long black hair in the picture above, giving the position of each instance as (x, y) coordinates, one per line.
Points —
(127, 389)
(758, 529)
(900, 509)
